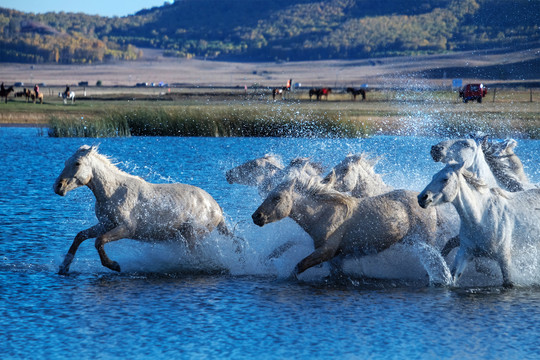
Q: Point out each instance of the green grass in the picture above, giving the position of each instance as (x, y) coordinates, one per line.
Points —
(222, 112)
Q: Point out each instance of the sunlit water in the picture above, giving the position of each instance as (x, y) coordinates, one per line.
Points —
(169, 303)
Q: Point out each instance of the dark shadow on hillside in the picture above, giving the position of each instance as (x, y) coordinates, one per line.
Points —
(523, 70)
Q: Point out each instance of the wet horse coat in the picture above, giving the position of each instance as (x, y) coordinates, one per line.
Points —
(342, 224)
(129, 207)
(492, 220)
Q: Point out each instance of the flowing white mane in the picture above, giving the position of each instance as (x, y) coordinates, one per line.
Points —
(91, 152)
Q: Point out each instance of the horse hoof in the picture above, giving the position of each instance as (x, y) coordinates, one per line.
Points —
(63, 270)
(115, 266)
(508, 285)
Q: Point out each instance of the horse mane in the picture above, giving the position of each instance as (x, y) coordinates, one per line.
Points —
(502, 170)
(311, 186)
(87, 150)
(474, 180)
(274, 160)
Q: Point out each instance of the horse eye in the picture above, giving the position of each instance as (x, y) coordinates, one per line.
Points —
(78, 163)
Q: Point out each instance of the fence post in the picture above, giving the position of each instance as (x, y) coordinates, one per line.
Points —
(531, 95)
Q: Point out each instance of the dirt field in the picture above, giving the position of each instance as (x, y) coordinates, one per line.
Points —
(434, 70)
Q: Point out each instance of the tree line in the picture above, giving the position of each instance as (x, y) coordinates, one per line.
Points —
(270, 30)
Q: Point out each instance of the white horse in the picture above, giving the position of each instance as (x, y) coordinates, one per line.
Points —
(268, 171)
(491, 219)
(495, 163)
(129, 207)
(67, 97)
(342, 224)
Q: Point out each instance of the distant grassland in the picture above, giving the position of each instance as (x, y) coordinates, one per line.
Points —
(236, 112)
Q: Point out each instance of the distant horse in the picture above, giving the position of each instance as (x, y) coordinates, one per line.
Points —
(319, 93)
(5, 92)
(38, 97)
(355, 92)
(20, 94)
(66, 97)
(129, 207)
(491, 219)
(279, 91)
(28, 94)
(342, 224)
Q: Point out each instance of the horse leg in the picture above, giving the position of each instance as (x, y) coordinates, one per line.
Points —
(280, 250)
(92, 232)
(505, 261)
(321, 254)
(460, 263)
(450, 245)
(117, 233)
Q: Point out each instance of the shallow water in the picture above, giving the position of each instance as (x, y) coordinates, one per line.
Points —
(169, 303)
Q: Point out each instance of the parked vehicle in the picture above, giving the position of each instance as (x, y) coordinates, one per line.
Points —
(473, 92)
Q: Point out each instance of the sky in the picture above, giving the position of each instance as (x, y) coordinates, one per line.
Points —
(91, 7)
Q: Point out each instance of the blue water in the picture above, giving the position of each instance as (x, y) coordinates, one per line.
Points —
(168, 303)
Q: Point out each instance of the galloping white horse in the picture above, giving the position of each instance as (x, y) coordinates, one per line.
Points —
(129, 207)
(491, 219)
(342, 224)
(66, 97)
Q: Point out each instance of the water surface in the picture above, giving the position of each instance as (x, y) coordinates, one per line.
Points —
(168, 303)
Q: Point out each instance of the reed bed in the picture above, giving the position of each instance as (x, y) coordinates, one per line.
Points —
(385, 112)
(212, 121)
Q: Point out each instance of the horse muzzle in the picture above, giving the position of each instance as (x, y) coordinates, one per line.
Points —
(59, 187)
(259, 218)
(425, 199)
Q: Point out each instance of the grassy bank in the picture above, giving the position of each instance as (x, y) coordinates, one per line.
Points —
(234, 112)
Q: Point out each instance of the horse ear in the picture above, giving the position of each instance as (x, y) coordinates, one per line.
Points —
(485, 140)
(510, 144)
(330, 179)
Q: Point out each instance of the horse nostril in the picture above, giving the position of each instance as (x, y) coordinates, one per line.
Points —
(258, 218)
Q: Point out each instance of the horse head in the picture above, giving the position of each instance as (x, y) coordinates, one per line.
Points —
(456, 151)
(77, 171)
(277, 205)
(254, 172)
(443, 187)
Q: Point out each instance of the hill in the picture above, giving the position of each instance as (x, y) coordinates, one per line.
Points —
(273, 30)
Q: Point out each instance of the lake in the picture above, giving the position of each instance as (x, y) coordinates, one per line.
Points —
(170, 303)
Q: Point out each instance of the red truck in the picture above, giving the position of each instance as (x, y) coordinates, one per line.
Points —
(473, 92)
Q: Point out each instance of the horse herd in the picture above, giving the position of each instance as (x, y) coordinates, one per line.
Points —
(319, 93)
(481, 202)
(31, 95)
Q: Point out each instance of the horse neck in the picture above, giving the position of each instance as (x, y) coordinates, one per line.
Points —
(312, 214)
(470, 203)
(106, 179)
(481, 168)
(371, 186)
